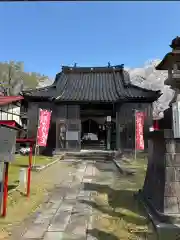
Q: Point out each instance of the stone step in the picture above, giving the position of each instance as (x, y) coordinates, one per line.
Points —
(98, 156)
(94, 146)
(89, 155)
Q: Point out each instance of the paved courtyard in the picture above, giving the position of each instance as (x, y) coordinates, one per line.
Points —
(67, 214)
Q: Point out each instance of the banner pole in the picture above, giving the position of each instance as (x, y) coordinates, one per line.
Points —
(135, 153)
(5, 194)
(29, 170)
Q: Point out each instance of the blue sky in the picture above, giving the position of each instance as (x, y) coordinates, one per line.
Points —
(46, 35)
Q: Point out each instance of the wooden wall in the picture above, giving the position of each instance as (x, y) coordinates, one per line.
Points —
(125, 123)
(69, 115)
(33, 118)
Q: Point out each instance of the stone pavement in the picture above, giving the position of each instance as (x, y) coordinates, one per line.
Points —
(67, 215)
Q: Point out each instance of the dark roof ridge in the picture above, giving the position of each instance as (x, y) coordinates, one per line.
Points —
(68, 69)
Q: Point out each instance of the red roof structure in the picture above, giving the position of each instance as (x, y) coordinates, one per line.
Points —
(4, 100)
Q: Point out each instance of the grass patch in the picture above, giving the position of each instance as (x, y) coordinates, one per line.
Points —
(20, 207)
(118, 215)
(22, 162)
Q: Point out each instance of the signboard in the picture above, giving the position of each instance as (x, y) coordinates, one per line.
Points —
(108, 118)
(72, 136)
(139, 130)
(43, 128)
(176, 119)
(22, 176)
(7, 144)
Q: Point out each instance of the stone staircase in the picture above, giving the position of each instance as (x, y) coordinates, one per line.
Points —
(93, 155)
(93, 145)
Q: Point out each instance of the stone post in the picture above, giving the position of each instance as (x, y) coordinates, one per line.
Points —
(161, 191)
(172, 173)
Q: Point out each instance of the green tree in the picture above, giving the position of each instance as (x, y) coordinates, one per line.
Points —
(13, 78)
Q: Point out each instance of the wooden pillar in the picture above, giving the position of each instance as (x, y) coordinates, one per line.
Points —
(117, 131)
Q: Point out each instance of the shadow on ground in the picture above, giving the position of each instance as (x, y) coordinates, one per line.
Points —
(21, 165)
(101, 235)
(117, 199)
(121, 205)
(13, 186)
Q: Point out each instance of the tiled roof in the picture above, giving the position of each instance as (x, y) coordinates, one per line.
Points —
(99, 84)
(4, 100)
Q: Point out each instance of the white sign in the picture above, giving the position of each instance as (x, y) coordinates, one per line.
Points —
(7, 144)
(108, 118)
(72, 136)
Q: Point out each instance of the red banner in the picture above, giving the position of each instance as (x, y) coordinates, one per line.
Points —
(43, 128)
(139, 130)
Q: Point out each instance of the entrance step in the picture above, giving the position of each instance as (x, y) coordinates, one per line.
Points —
(91, 155)
(90, 147)
(93, 145)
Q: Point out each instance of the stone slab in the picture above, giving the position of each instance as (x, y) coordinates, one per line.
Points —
(36, 231)
(60, 222)
(77, 228)
(67, 205)
(62, 236)
(82, 207)
(43, 219)
(54, 236)
(56, 204)
(90, 237)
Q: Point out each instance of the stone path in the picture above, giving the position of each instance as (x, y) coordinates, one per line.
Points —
(67, 215)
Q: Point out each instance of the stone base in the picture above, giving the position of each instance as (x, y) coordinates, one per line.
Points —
(164, 229)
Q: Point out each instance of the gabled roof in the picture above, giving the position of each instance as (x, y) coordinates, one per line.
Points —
(95, 84)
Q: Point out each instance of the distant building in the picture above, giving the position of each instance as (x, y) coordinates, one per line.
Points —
(10, 110)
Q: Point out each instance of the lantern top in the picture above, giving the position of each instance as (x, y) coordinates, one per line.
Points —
(171, 57)
(175, 44)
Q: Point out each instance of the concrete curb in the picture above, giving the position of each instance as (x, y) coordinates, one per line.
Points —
(118, 166)
(14, 189)
(122, 170)
(39, 169)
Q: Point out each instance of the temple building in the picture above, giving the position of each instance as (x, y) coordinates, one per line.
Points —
(88, 106)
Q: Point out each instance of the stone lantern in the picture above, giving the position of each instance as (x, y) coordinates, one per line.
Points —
(161, 191)
(171, 63)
